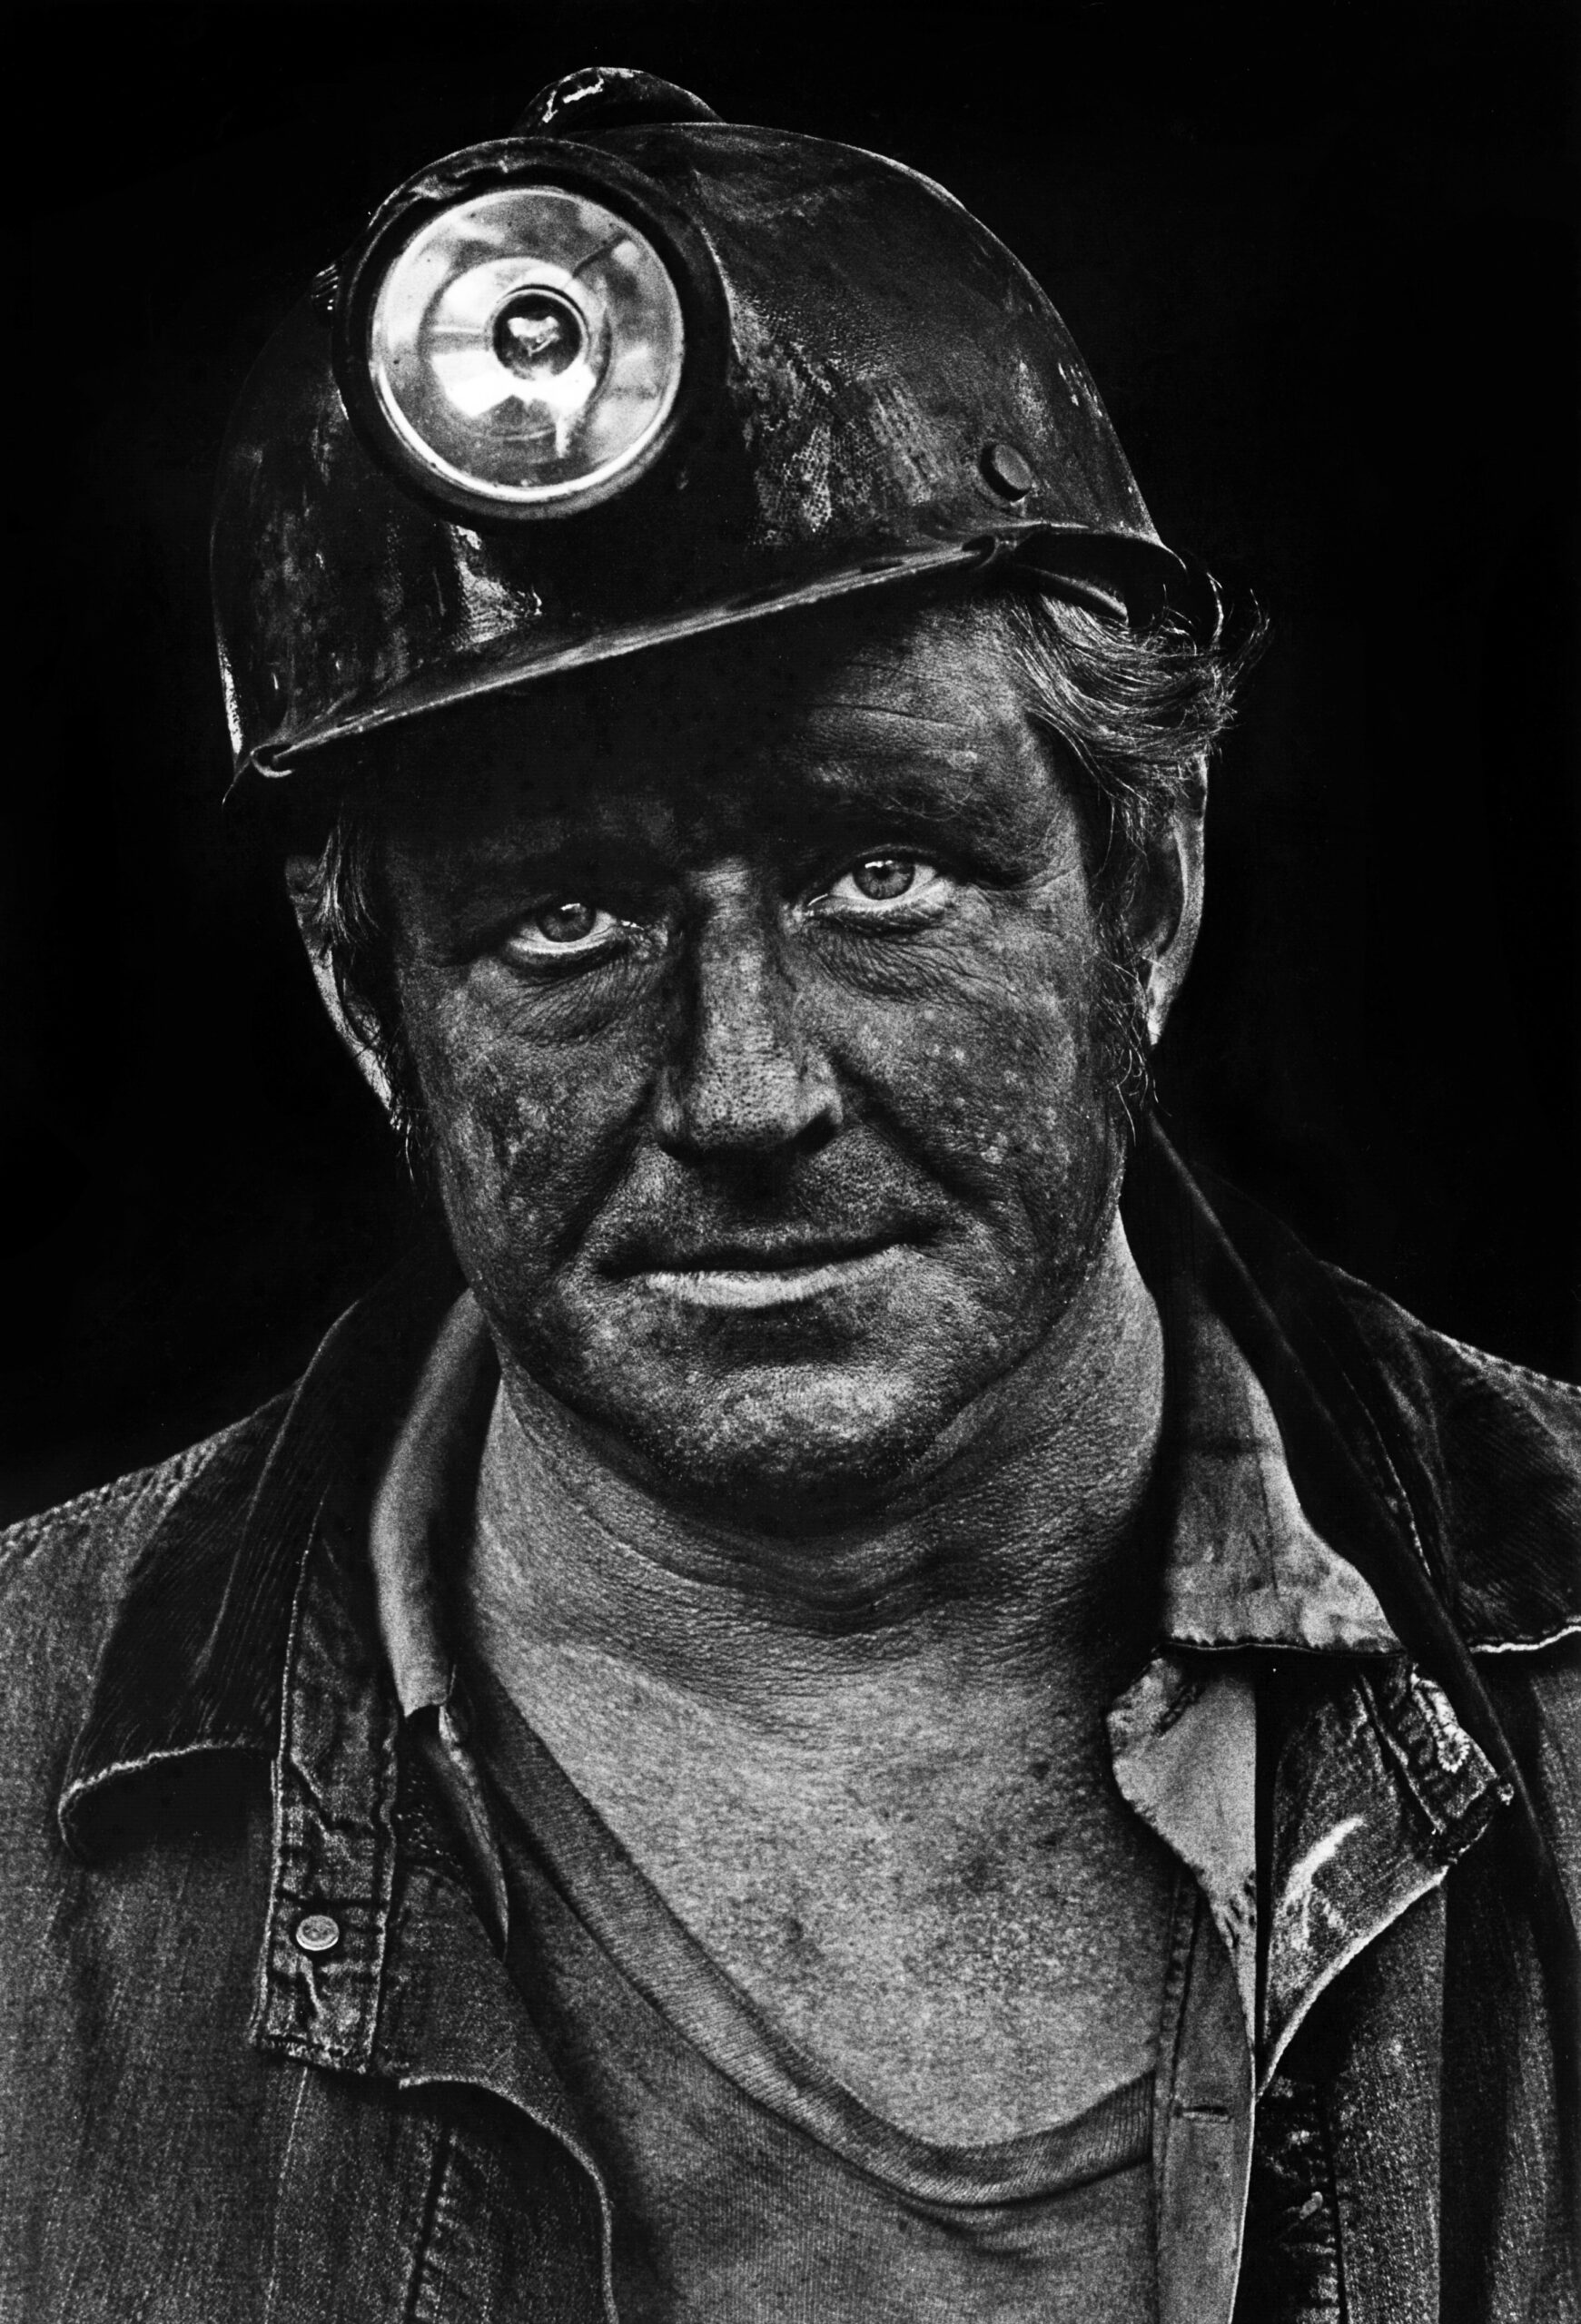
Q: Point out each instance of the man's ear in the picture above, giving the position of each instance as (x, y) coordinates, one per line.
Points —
(1167, 912)
(304, 885)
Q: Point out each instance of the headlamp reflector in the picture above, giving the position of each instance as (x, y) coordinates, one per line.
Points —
(525, 347)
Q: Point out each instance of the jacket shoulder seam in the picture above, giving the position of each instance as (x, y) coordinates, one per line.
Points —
(46, 1529)
(1507, 1365)
(1356, 1292)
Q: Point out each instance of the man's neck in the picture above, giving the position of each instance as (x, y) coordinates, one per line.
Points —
(1014, 1551)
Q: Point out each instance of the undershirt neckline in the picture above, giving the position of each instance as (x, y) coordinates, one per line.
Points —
(608, 1892)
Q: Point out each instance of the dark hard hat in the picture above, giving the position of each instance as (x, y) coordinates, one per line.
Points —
(630, 375)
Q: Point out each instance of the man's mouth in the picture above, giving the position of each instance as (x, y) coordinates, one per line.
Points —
(742, 1275)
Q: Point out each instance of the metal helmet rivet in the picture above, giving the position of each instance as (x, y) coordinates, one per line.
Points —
(1006, 471)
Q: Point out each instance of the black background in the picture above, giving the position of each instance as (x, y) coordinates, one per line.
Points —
(1323, 262)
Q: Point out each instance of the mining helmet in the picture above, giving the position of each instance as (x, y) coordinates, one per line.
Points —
(628, 375)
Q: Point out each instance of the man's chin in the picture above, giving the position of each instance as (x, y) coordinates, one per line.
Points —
(786, 1414)
(785, 1448)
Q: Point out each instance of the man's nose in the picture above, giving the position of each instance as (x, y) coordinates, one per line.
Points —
(741, 1078)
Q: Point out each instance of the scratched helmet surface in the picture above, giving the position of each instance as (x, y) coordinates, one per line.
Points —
(632, 374)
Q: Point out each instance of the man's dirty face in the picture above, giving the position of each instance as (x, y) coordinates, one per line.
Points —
(752, 997)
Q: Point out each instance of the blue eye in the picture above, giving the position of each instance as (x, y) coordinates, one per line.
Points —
(567, 925)
(569, 922)
(884, 877)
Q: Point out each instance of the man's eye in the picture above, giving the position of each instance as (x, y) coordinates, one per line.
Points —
(566, 926)
(883, 878)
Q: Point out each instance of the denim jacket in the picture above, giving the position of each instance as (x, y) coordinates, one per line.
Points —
(263, 2059)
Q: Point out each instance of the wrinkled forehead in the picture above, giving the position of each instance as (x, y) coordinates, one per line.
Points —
(726, 740)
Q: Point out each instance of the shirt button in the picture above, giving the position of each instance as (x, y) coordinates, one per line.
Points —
(318, 1933)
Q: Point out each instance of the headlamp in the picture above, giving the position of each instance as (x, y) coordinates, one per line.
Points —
(520, 350)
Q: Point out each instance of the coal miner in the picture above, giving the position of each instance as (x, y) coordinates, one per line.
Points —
(853, 1701)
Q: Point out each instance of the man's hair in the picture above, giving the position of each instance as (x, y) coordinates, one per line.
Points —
(1131, 718)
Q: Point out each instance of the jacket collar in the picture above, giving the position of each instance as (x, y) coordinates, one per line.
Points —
(192, 1663)
(1434, 1463)
(1244, 1565)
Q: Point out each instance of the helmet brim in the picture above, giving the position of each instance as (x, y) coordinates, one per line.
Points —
(1119, 577)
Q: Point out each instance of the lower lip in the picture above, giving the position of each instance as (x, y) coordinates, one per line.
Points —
(761, 1289)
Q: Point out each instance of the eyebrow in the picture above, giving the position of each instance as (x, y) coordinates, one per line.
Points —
(888, 762)
(867, 709)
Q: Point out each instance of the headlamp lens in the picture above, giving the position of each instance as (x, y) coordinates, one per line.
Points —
(526, 347)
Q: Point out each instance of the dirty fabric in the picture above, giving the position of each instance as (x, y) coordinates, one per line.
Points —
(746, 2180)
